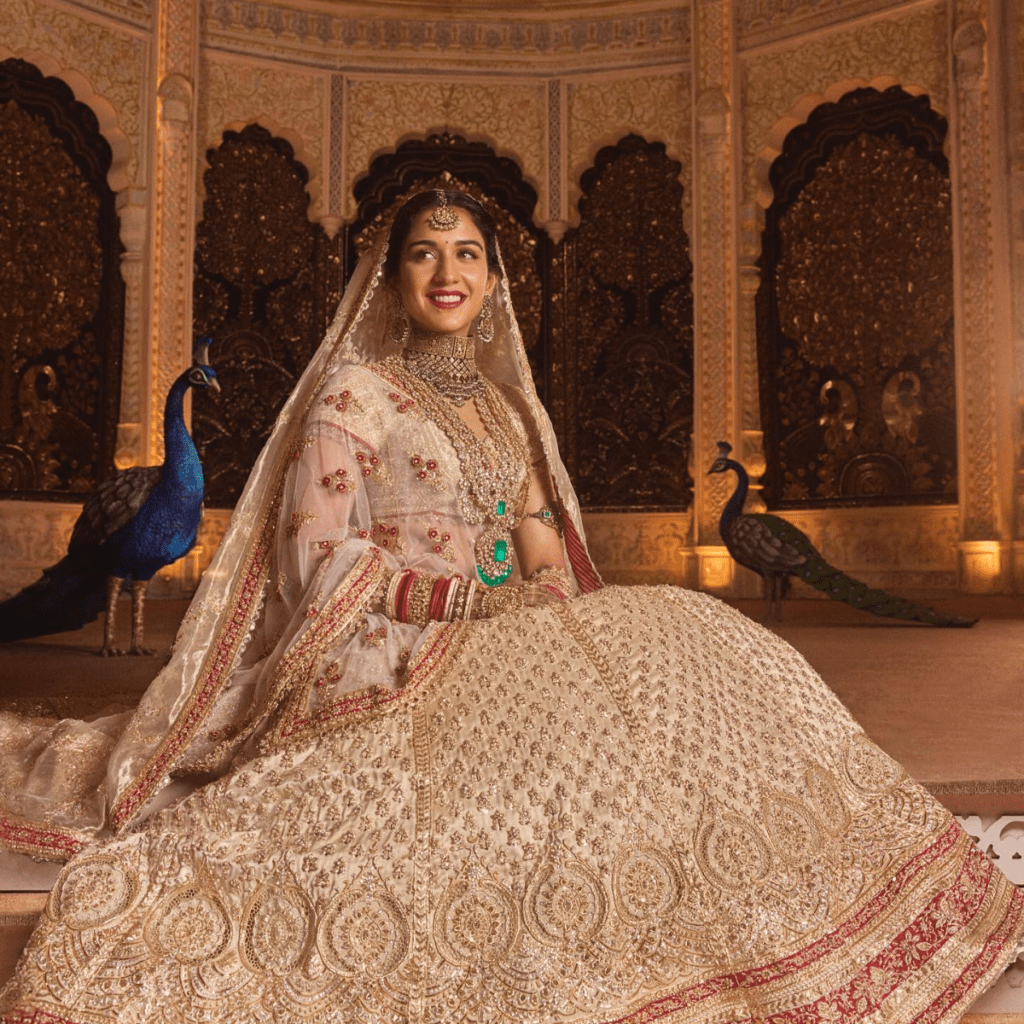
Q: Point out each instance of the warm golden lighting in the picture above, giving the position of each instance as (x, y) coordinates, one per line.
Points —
(980, 566)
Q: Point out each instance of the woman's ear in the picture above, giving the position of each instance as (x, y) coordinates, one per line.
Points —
(492, 280)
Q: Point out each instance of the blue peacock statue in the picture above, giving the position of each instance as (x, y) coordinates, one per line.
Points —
(132, 525)
(776, 550)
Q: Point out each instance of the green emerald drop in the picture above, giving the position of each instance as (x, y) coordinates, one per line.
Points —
(500, 549)
(501, 508)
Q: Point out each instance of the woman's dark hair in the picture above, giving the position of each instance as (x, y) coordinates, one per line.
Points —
(428, 200)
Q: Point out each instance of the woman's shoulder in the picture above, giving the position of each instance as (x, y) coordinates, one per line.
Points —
(351, 397)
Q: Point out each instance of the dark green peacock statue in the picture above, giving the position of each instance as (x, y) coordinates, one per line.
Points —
(775, 549)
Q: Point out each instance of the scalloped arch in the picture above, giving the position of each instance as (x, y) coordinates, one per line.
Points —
(84, 92)
(294, 138)
(798, 114)
(537, 181)
(613, 138)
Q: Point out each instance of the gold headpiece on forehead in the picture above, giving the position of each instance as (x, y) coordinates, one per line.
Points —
(444, 218)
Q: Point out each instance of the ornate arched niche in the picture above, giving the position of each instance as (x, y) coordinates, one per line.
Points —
(266, 283)
(855, 308)
(622, 358)
(451, 161)
(62, 295)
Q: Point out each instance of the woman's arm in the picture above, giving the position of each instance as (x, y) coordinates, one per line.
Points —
(537, 538)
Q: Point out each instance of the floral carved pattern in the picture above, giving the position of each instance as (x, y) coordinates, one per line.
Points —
(912, 47)
(856, 308)
(601, 112)
(625, 380)
(265, 284)
(113, 60)
(513, 113)
(235, 93)
(61, 301)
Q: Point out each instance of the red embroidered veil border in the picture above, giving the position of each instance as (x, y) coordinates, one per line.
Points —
(224, 617)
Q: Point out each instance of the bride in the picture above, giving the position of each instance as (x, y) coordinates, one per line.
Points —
(411, 762)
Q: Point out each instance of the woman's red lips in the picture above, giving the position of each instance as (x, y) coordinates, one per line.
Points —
(446, 300)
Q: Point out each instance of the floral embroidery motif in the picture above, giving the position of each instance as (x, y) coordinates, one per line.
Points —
(476, 921)
(441, 543)
(376, 637)
(277, 930)
(427, 470)
(93, 892)
(341, 401)
(300, 519)
(364, 932)
(296, 448)
(402, 404)
(384, 536)
(190, 925)
(645, 883)
(564, 903)
(371, 465)
(330, 677)
(339, 481)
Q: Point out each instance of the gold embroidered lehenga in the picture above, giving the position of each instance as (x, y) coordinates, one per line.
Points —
(634, 805)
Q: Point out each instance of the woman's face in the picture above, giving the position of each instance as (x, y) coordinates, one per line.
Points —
(443, 275)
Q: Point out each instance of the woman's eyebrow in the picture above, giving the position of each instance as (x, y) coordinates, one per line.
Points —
(433, 244)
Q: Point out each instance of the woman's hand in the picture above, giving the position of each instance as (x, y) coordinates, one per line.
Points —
(536, 594)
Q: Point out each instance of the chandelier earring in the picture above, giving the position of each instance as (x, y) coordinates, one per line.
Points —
(485, 322)
(398, 328)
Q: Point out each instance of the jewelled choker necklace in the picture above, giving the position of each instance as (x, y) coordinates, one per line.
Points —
(447, 363)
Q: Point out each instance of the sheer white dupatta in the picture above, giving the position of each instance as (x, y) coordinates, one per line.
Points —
(216, 665)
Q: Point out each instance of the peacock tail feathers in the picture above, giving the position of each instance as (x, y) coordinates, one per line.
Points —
(818, 573)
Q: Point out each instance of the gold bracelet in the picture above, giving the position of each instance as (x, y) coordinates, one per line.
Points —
(556, 579)
(419, 598)
(549, 517)
(500, 601)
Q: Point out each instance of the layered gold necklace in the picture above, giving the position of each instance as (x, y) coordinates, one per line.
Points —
(447, 362)
(438, 370)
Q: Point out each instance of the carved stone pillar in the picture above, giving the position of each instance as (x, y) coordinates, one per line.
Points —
(714, 276)
(1012, 35)
(133, 428)
(174, 202)
(982, 545)
(751, 447)
(174, 177)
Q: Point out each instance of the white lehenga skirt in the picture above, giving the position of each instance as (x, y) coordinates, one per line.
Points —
(637, 806)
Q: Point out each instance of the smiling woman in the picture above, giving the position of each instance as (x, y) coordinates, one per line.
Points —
(411, 761)
(442, 261)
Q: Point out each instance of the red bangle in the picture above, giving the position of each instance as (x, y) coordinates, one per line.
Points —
(402, 597)
(439, 598)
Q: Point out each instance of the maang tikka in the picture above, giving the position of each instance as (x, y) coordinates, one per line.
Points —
(444, 217)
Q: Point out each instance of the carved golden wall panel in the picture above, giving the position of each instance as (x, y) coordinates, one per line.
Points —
(602, 111)
(641, 547)
(112, 59)
(511, 117)
(912, 551)
(912, 47)
(363, 35)
(33, 535)
(290, 104)
(762, 21)
(904, 549)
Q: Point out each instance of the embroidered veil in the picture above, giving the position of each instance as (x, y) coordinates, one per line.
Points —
(69, 783)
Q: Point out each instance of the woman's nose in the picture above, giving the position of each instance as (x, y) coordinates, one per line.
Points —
(444, 271)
